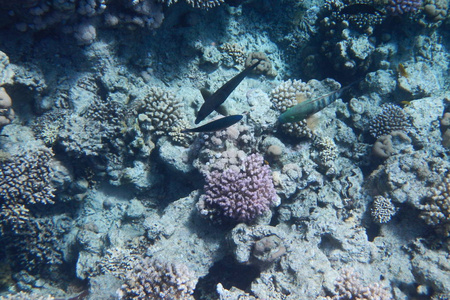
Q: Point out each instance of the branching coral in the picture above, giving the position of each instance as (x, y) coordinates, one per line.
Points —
(382, 209)
(391, 118)
(239, 193)
(26, 179)
(156, 279)
(288, 94)
(159, 112)
(349, 286)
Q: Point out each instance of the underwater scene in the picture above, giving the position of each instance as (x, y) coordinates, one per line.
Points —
(224, 149)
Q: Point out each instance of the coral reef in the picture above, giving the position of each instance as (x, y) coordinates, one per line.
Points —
(391, 118)
(382, 209)
(264, 66)
(399, 7)
(116, 201)
(436, 210)
(349, 286)
(159, 112)
(239, 193)
(156, 279)
(6, 112)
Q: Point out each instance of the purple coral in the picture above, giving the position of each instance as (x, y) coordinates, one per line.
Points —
(400, 7)
(239, 193)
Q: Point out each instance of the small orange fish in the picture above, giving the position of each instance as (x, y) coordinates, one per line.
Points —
(402, 70)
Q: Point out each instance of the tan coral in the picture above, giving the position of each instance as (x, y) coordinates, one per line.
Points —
(264, 67)
(159, 111)
(235, 51)
(288, 94)
(436, 210)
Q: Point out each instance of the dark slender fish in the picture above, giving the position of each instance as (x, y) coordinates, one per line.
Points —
(360, 8)
(307, 108)
(216, 125)
(213, 101)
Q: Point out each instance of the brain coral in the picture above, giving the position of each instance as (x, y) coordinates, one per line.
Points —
(155, 279)
(436, 210)
(239, 193)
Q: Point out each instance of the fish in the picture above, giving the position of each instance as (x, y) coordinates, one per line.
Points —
(216, 125)
(360, 8)
(307, 108)
(402, 70)
(212, 102)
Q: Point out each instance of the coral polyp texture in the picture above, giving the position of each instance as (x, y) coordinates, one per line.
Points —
(391, 118)
(26, 179)
(157, 279)
(400, 7)
(382, 209)
(436, 210)
(159, 111)
(239, 193)
(349, 286)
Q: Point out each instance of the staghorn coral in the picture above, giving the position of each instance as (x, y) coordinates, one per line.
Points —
(156, 279)
(349, 287)
(391, 118)
(159, 111)
(436, 210)
(382, 209)
(239, 194)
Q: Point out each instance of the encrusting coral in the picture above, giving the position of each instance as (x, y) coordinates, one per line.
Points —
(239, 193)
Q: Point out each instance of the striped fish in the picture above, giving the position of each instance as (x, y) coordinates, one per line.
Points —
(309, 107)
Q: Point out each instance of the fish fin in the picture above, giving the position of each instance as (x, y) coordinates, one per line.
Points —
(205, 93)
(222, 110)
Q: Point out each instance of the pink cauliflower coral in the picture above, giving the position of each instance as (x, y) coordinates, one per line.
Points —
(239, 193)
